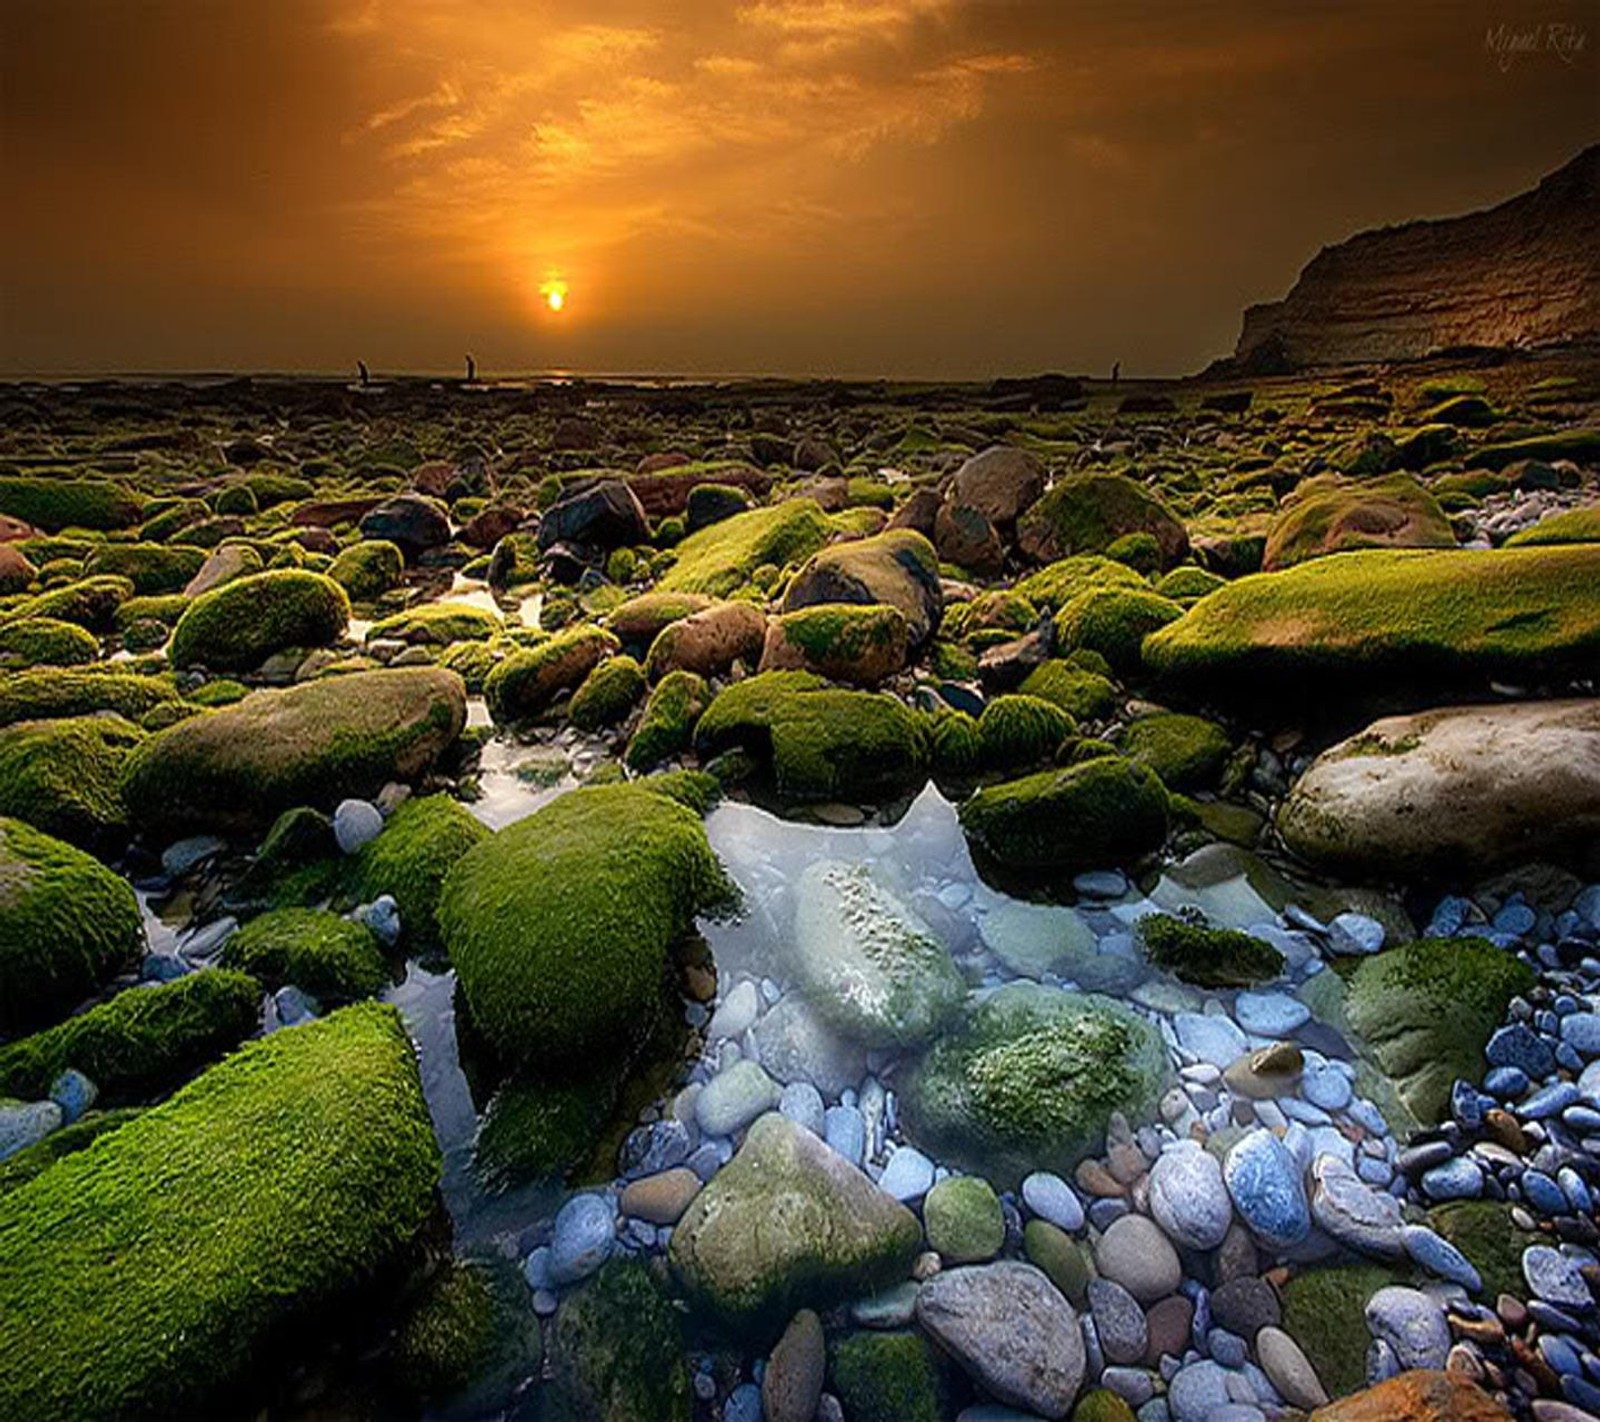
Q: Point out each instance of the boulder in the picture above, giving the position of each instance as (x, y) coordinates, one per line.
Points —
(239, 625)
(598, 518)
(223, 565)
(788, 1223)
(315, 744)
(1422, 1395)
(999, 483)
(719, 560)
(414, 524)
(1460, 790)
(710, 641)
(16, 572)
(1331, 515)
(966, 538)
(898, 568)
(64, 776)
(860, 645)
(871, 968)
(1087, 513)
(529, 682)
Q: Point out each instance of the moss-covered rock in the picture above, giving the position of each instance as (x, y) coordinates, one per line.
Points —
(332, 958)
(419, 845)
(1055, 585)
(640, 620)
(64, 776)
(537, 1130)
(617, 1350)
(1083, 694)
(1353, 624)
(152, 568)
(528, 682)
(719, 560)
(239, 625)
(897, 569)
(89, 602)
(1324, 1311)
(890, 1377)
(608, 694)
(34, 1160)
(306, 1164)
(1425, 1010)
(670, 716)
(47, 641)
(1087, 513)
(956, 747)
(863, 645)
(1187, 752)
(1580, 525)
(314, 744)
(56, 502)
(167, 517)
(143, 1042)
(840, 1234)
(559, 925)
(1332, 515)
(1029, 1080)
(1019, 731)
(368, 569)
(67, 924)
(1582, 445)
(1103, 811)
(50, 692)
(1189, 948)
(821, 742)
(1485, 1232)
(1114, 622)
(437, 624)
(469, 1338)
(964, 1221)
(1189, 584)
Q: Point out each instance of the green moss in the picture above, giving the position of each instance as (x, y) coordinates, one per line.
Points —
(1580, 445)
(528, 682)
(1087, 513)
(1187, 752)
(67, 924)
(1426, 1009)
(1103, 811)
(150, 567)
(90, 602)
(437, 624)
(471, 661)
(470, 1332)
(848, 641)
(1139, 551)
(670, 716)
(1324, 1311)
(699, 790)
(956, 744)
(1102, 1405)
(1063, 1260)
(1484, 1231)
(312, 744)
(1351, 623)
(236, 499)
(1114, 622)
(718, 560)
(608, 694)
(45, 641)
(890, 1377)
(1332, 515)
(1188, 948)
(1188, 584)
(952, 661)
(163, 522)
(1029, 1080)
(559, 925)
(1580, 525)
(64, 776)
(541, 1130)
(239, 625)
(368, 569)
(49, 692)
(1019, 731)
(639, 620)
(143, 1042)
(166, 609)
(54, 503)
(69, 1140)
(305, 1164)
(1086, 695)
(821, 742)
(869, 493)
(271, 487)
(1001, 608)
(622, 566)
(420, 843)
(332, 958)
(617, 1349)
(963, 1220)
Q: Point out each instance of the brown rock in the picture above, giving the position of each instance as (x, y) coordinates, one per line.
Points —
(664, 491)
(966, 538)
(328, 513)
(1272, 1071)
(918, 513)
(16, 572)
(869, 652)
(1168, 1322)
(709, 641)
(14, 530)
(999, 483)
(661, 1199)
(487, 528)
(667, 459)
(434, 478)
(792, 1385)
(1418, 1396)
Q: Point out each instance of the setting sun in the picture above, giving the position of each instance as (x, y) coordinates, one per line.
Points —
(555, 294)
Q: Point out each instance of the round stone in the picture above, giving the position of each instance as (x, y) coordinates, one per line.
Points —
(1555, 1277)
(1245, 1306)
(1051, 1198)
(584, 1231)
(791, 1387)
(1411, 1324)
(908, 1175)
(1289, 1370)
(1326, 1086)
(356, 823)
(734, 1098)
(661, 1199)
(1198, 1392)
(964, 1220)
(1269, 1014)
(1210, 1037)
(1438, 1256)
(1188, 1197)
(1136, 1254)
(1264, 1181)
(802, 1103)
(1119, 1322)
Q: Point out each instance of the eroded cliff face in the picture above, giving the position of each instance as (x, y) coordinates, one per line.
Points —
(1524, 273)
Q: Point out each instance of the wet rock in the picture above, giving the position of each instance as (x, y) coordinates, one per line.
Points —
(1134, 1253)
(1188, 1197)
(414, 524)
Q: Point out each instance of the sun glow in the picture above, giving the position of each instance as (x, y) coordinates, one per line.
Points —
(554, 292)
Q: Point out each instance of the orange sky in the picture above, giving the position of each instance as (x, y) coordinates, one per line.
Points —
(857, 187)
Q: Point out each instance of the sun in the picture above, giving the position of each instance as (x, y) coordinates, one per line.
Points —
(554, 292)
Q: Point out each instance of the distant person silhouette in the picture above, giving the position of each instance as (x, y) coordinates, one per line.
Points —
(472, 370)
(1116, 371)
(366, 375)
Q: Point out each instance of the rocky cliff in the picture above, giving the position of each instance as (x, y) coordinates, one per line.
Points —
(1524, 273)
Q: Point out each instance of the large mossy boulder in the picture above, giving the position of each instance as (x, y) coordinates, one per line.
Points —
(670, 716)
(64, 777)
(1113, 623)
(1029, 1080)
(1332, 515)
(1087, 513)
(1424, 1012)
(1350, 626)
(559, 925)
(314, 744)
(1187, 752)
(1056, 584)
(1464, 789)
(617, 1350)
(822, 742)
(45, 692)
(897, 569)
(141, 1276)
(334, 959)
(67, 924)
(152, 568)
(788, 1223)
(56, 502)
(1103, 811)
(239, 625)
(527, 683)
(143, 1042)
(859, 645)
(46, 641)
(869, 966)
(719, 560)
(420, 844)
